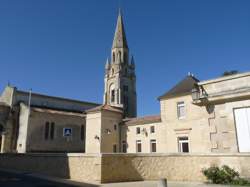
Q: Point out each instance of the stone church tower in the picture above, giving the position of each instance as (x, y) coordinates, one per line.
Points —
(120, 78)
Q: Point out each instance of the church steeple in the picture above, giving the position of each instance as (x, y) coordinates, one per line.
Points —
(120, 51)
(120, 79)
(120, 40)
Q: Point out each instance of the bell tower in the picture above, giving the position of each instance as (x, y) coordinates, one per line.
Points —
(120, 78)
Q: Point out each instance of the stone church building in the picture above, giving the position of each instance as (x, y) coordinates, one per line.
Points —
(195, 116)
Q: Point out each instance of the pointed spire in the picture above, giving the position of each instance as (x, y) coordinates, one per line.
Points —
(107, 64)
(120, 40)
(132, 62)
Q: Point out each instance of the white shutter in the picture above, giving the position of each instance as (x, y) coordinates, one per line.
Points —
(242, 118)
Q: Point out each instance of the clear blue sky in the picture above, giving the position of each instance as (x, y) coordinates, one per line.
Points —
(59, 47)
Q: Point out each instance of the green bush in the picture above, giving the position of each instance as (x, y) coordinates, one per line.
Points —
(224, 175)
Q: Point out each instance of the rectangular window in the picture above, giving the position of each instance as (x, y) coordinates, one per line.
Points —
(152, 129)
(183, 144)
(46, 134)
(113, 96)
(115, 127)
(124, 146)
(181, 110)
(138, 146)
(152, 146)
(138, 130)
(83, 132)
(52, 129)
(114, 148)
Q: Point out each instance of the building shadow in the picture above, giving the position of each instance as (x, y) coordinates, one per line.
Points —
(10, 179)
(50, 167)
(120, 168)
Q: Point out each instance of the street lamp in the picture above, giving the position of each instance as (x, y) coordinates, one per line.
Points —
(195, 93)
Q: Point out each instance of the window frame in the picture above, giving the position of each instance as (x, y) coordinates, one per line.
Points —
(52, 130)
(152, 129)
(138, 130)
(112, 99)
(124, 147)
(83, 132)
(114, 148)
(47, 130)
(138, 142)
(153, 141)
(183, 140)
(179, 106)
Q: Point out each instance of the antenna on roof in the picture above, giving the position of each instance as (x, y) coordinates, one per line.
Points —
(8, 84)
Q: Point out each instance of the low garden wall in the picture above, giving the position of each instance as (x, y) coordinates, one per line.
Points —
(124, 167)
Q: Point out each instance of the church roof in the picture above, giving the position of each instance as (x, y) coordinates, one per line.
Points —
(55, 111)
(120, 40)
(105, 107)
(183, 87)
(143, 120)
(56, 98)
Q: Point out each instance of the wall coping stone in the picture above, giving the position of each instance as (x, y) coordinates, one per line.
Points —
(50, 154)
(176, 154)
(126, 154)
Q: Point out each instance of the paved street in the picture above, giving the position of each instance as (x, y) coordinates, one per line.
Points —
(10, 179)
(170, 184)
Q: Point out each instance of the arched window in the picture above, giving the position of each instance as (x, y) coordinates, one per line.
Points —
(112, 93)
(125, 57)
(1, 128)
(113, 56)
(119, 56)
(126, 71)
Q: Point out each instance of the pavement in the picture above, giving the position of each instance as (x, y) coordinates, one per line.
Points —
(170, 184)
(10, 178)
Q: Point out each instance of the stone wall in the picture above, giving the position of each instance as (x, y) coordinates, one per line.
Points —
(174, 167)
(124, 167)
(78, 167)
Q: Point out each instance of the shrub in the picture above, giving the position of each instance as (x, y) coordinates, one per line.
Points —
(224, 175)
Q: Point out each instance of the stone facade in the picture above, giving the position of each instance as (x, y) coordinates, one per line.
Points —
(24, 116)
(103, 130)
